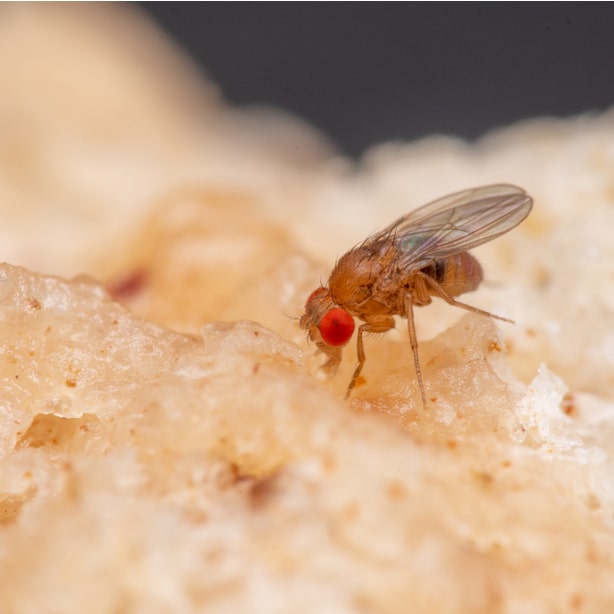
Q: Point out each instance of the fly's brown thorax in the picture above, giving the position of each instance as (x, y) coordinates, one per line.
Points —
(352, 280)
(456, 274)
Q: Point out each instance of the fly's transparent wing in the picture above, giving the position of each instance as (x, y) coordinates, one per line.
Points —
(456, 223)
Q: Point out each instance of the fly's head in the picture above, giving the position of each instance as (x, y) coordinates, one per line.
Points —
(329, 326)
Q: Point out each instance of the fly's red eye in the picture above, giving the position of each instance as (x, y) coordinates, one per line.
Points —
(336, 326)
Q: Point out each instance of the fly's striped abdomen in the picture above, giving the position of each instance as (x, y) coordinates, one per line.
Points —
(458, 274)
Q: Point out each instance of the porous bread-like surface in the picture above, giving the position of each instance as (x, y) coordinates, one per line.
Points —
(177, 449)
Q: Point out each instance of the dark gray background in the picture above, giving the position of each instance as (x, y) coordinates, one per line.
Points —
(370, 72)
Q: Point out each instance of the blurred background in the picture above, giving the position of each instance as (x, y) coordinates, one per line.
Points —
(373, 72)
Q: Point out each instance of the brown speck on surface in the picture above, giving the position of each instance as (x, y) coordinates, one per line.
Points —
(494, 346)
(255, 368)
(360, 381)
(543, 278)
(33, 304)
(576, 601)
(395, 490)
(124, 288)
(71, 383)
(592, 502)
(483, 477)
(351, 510)
(262, 491)
(568, 404)
(329, 463)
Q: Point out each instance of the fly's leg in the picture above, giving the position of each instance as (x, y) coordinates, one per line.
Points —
(439, 291)
(333, 355)
(332, 352)
(381, 325)
(413, 342)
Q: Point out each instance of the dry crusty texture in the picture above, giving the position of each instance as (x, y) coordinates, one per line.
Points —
(212, 470)
(147, 471)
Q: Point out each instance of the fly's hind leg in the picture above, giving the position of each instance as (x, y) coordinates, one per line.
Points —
(379, 325)
(439, 291)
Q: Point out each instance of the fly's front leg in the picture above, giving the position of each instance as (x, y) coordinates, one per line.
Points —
(332, 352)
(379, 325)
(333, 355)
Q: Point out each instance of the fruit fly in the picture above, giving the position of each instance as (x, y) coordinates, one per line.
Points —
(421, 255)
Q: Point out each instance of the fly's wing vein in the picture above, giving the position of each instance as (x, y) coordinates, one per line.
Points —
(455, 223)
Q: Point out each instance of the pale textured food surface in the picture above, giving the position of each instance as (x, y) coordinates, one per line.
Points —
(166, 441)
